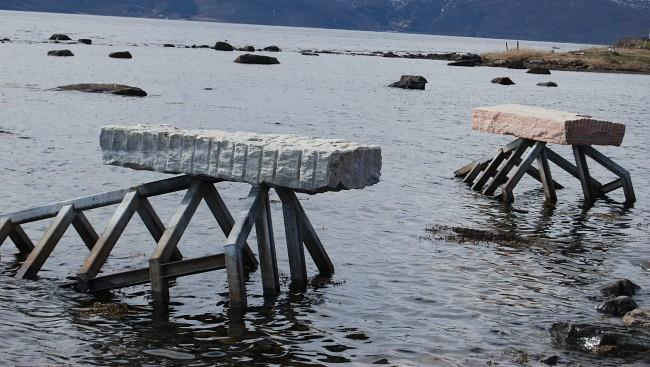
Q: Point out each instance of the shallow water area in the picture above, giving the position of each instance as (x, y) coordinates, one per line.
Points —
(399, 294)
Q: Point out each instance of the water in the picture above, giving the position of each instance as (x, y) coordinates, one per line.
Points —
(399, 293)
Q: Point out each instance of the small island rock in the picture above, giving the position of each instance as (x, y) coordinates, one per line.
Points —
(619, 287)
(63, 53)
(469, 63)
(256, 59)
(120, 55)
(272, 49)
(223, 46)
(60, 37)
(119, 89)
(618, 306)
(410, 82)
(85, 41)
(503, 81)
(547, 84)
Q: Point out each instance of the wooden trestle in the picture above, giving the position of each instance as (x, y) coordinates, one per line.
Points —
(504, 169)
(167, 262)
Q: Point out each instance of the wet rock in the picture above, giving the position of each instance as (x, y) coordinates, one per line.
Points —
(169, 45)
(518, 64)
(85, 41)
(63, 53)
(551, 361)
(618, 306)
(468, 57)
(469, 63)
(309, 53)
(503, 81)
(539, 70)
(247, 49)
(272, 49)
(60, 37)
(390, 54)
(410, 82)
(200, 46)
(619, 287)
(603, 340)
(638, 317)
(120, 55)
(118, 89)
(256, 59)
(3, 40)
(223, 46)
(547, 84)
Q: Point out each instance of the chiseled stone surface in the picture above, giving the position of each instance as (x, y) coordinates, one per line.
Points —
(546, 125)
(304, 164)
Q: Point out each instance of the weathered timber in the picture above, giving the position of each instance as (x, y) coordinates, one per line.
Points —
(46, 245)
(154, 224)
(615, 168)
(295, 247)
(5, 228)
(20, 239)
(501, 175)
(235, 275)
(583, 174)
(266, 249)
(489, 171)
(546, 178)
(85, 230)
(514, 179)
(569, 167)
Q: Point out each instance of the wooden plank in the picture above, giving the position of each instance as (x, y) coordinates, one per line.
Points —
(546, 178)
(567, 166)
(514, 179)
(295, 248)
(266, 250)
(21, 240)
(489, 171)
(309, 236)
(46, 244)
(155, 226)
(169, 271)
(108, 238)
(609, 187)
(537, 175)
(85, 230)
(583, 173)
(501, 175)
(486, 159)
(100, 200)
(615, 168)
(224, 218)
(235, 275)
(476, 170)
(5, 228)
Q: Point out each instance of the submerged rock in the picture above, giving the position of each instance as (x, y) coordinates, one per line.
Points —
(547, 84)
(272, 49)
(256, 59)
(3, 40)
(169, 45)
(639, 317)
(63, 53)
(309, 53)
(223, 46)
(618, 306)
(119, 89)
(121, 55)
(410, 82)
(247, 49)
(538, 70)
(602, 340)
(60, 37)
(551, 361)
(85, 41)
(503, 81)
(619, 287)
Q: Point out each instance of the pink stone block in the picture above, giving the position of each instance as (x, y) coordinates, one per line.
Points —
(546, 125)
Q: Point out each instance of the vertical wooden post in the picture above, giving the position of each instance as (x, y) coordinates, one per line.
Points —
(546, 178)
(235, 274)
(295, 248)
(159, 289)
(266, 248)
(44, 248)
(583, 173)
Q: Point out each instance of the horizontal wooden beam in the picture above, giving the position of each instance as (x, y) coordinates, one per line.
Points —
(169, 270)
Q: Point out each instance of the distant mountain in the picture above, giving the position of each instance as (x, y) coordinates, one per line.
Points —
(589, 21)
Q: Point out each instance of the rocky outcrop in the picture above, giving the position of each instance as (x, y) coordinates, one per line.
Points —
(85, 41)
(618, 306)
(118, 89)
(304, 164)
(256, 59)
(120, 55)
(223, 46)
(547, 84)
(469, 63)
(503, 81)
(639, 317)
(604, 340)
(539, 70)
(60, 37)
(551, 126)
(410, 82)
(247, 49)
(619, 287)
(390, 54)
(63, 53)
(272, 49)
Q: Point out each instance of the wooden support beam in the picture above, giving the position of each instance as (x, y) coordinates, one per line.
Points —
(537, 175)
(486, 159)
(501, 176)
(613, 167)
(583, 173)
(224, 218)
(5, 228)
(568, 167)
(489, 171)
(294, 246)
(85, 230)
(235, 275)
(609, 187)
(471, 176)
(44, 248)
(514, 179)
(155, 225)
(266, 249)
(546, 178)
(309, 236)
(21, 240)
(108, 238)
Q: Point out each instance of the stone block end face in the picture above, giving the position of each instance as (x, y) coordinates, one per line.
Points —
(303, 164)
(546, 125)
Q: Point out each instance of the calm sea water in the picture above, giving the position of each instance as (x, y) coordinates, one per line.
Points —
(398, 295)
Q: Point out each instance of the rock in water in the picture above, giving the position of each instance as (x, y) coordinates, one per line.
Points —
(469, 63)
(121, 55)
(85, 41)
(272, 49)
(547, 84)
(5, 40)
(410, 82)
(638, 317)
(256, 59)
(601, 340)
(518, 64)
(119, 89)
(551, 361)
(223, 46)
(538, 70)
(618, 306)
(503, 81)
(247, 49)
(619, 287)
(64, 53)
(60, 37)
(169, 45)
(390, 54)
(309, 53)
